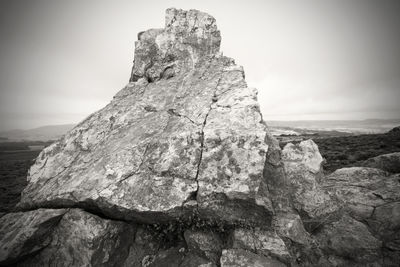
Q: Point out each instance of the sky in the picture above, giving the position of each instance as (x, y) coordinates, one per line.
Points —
(309, 60)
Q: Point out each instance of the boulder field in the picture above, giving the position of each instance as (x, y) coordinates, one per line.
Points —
(179, 169)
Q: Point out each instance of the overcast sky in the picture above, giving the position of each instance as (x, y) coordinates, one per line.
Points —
(339, 59)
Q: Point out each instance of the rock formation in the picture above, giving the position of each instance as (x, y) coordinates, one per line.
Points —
(180, 170)
(387, 162)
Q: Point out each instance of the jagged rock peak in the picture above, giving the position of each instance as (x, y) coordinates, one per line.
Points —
(187, 37)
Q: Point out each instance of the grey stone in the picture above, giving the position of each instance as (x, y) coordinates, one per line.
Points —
(25, 233)
(244, 258)
(387, 162)
(165, 140)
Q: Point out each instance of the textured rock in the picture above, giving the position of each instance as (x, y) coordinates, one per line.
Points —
(263, 242)
(83, 239)
(362, 189)
(244, 258)
(24, 233)
(289, 225)
(387, 162)
(303, 166)
(351, 241)
(187, 37)
(165, 140)
(205, 243)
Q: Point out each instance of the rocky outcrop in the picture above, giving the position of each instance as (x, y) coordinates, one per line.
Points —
(395, 130)
(387, 162)
(166, 146)
(179, 170)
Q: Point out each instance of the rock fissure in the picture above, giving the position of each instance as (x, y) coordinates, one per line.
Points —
(174, 113)
(202, 138)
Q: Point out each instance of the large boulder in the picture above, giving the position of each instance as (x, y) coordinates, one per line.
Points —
(387, 162)
(184, 136)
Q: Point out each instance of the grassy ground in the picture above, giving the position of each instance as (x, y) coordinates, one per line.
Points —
(15, 160)
(346, 151)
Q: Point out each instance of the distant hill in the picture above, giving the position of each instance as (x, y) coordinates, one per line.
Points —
(370, 126)
(44, 133)
(330, 127)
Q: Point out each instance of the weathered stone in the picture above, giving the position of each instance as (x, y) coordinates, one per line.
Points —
(303, 166)
(244, 258)
(83, 239)
(25, 233)
(170, 257)
(164, 141)
(361, 189)
(289, 225)
(275, 180)
(387, 162)
(263, 242)
(205, 243)
(143, 250)
(164, 53)
(351, 240)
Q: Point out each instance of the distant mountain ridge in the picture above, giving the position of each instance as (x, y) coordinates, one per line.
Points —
(53, 132)
(44, 133)
(369, 126)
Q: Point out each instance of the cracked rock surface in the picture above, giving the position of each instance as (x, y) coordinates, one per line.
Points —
(180, 170)
(164, 142)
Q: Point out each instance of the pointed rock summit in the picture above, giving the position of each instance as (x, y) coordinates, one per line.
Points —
(185, 137)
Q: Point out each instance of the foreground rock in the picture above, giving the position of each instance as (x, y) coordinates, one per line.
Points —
(387, 162)
(24, 233)
(184, 136)
(244, 258)
(63, 238)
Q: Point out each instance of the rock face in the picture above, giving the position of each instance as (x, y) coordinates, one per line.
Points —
(387, 162)
(191, 137)
(179, 170)
(24, 233)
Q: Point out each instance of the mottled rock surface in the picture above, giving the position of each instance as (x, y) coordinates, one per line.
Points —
(266, 243)
(387, 162)
(244, 258)
(303, 167)
(164, 141)
(83, 239)
(24, 233)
